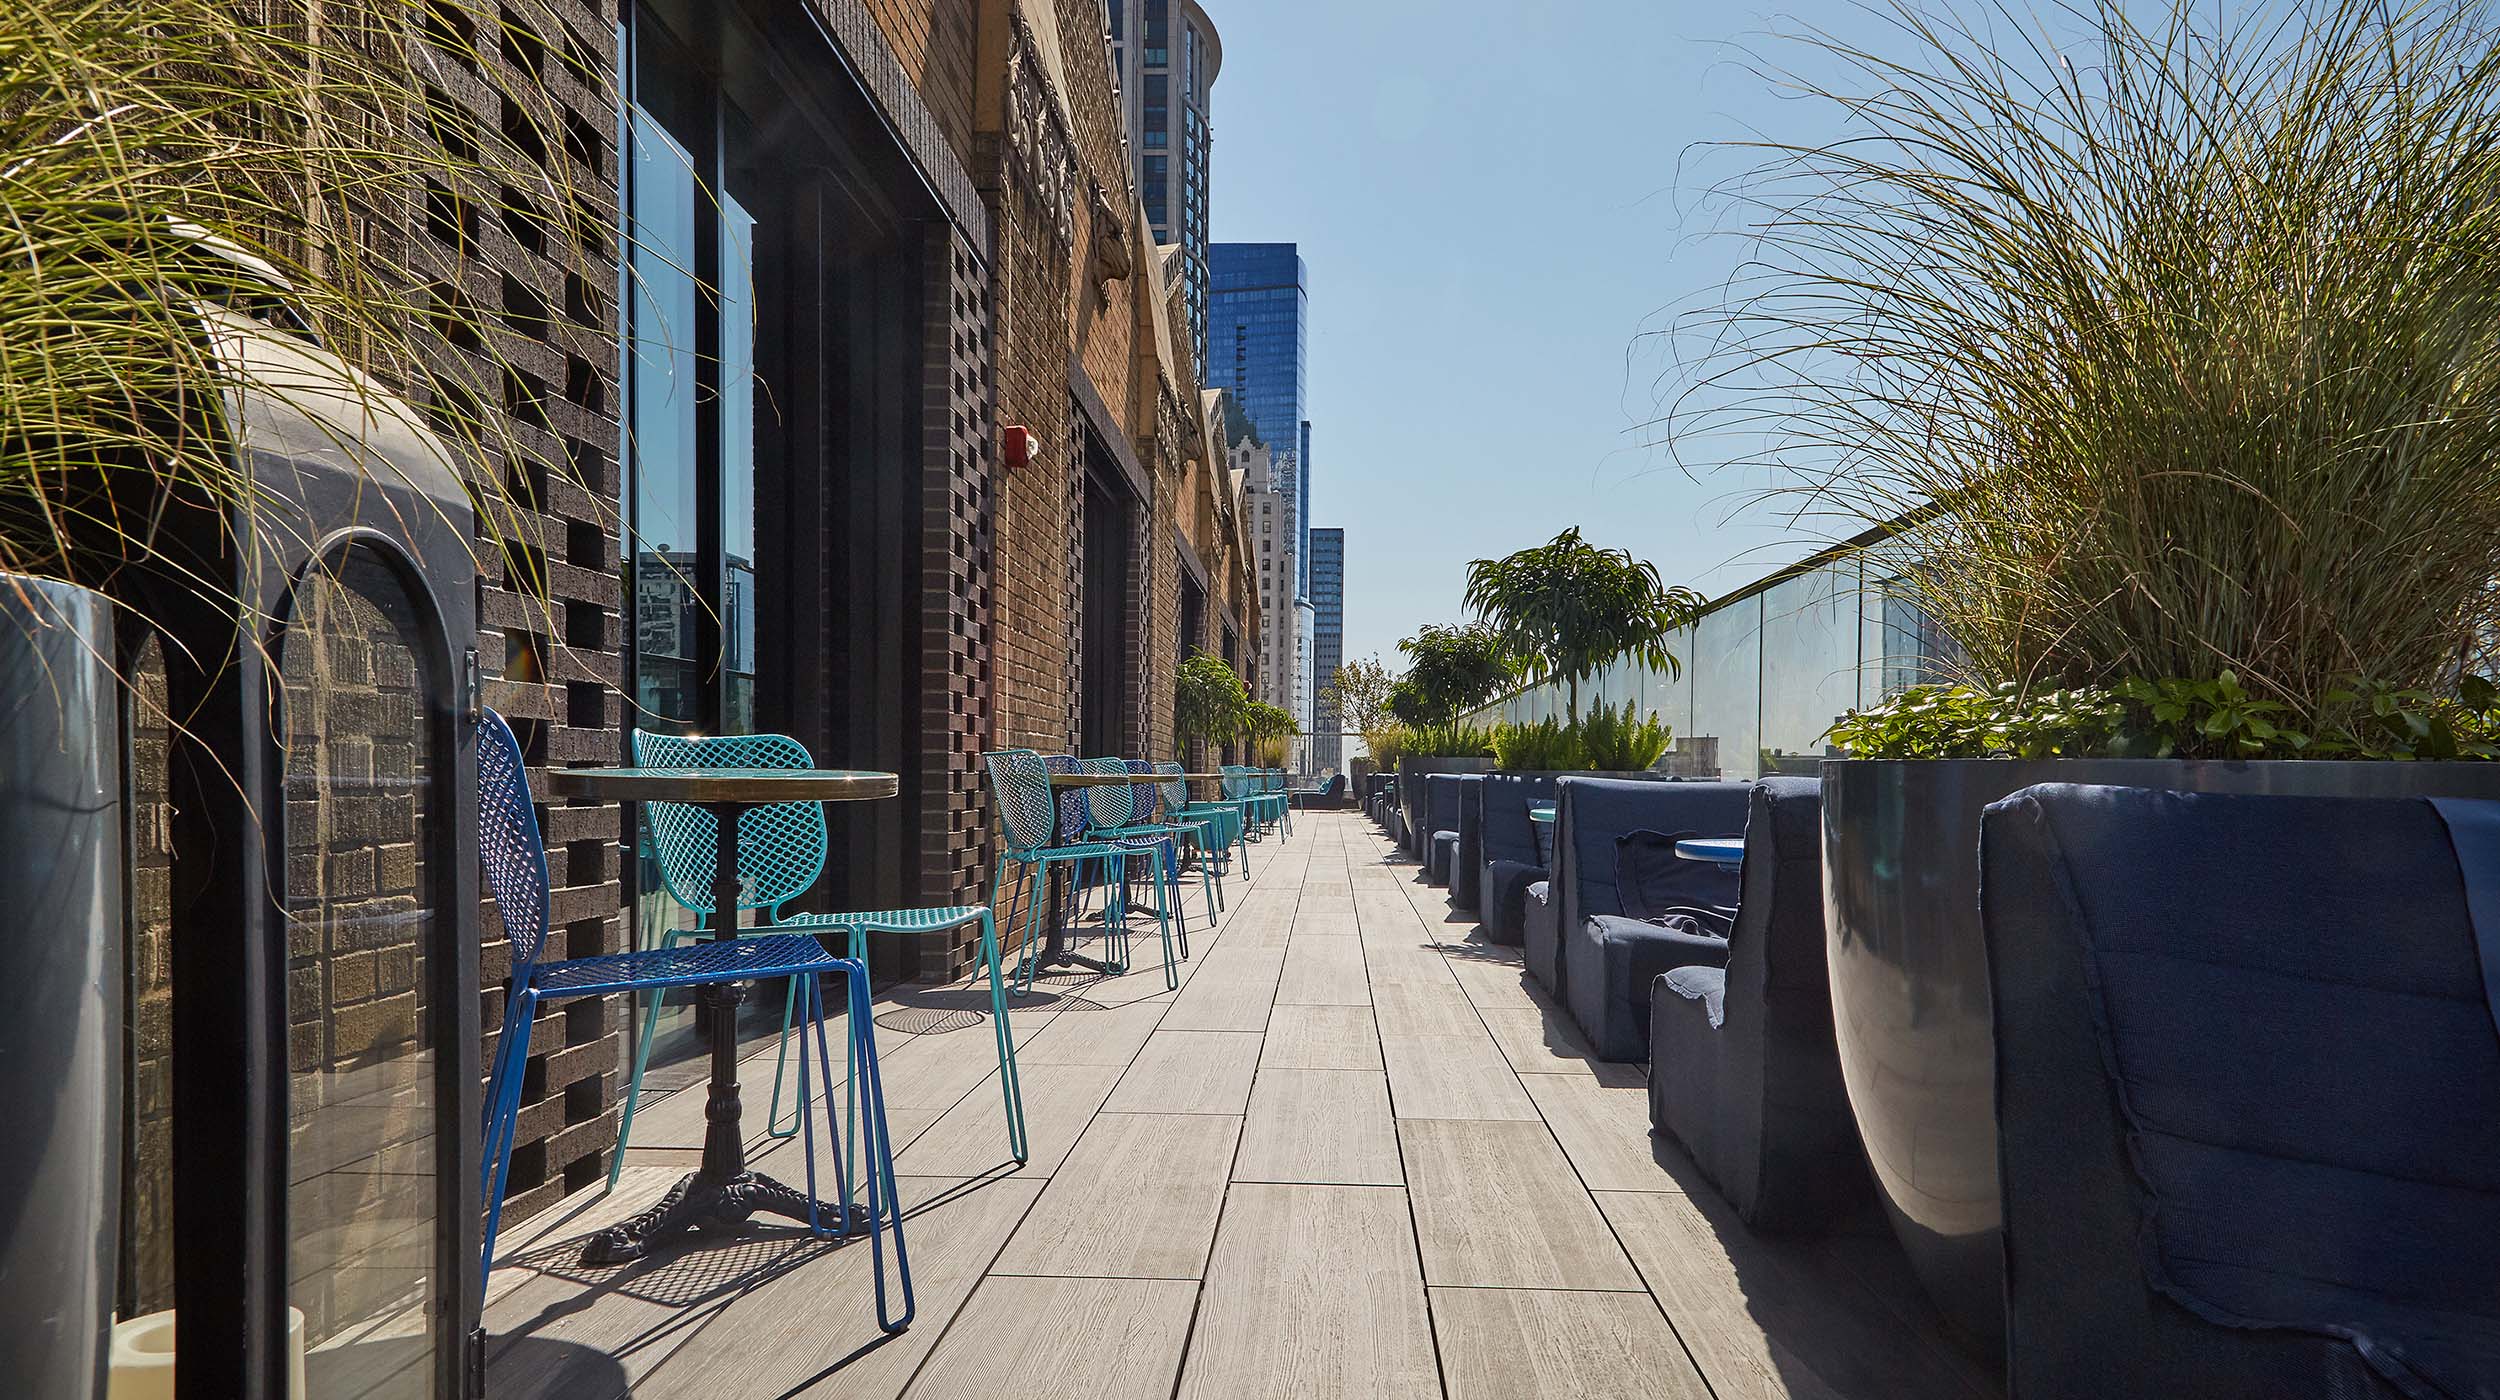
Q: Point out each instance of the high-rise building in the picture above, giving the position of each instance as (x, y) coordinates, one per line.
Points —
(1165, 54)
(1256, 318)
(1264, 496)
(1325, 556)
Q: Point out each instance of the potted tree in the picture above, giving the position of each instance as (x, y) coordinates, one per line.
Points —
(1563, 610)
(1449, 671)
(1209, 706)
(2178, 357)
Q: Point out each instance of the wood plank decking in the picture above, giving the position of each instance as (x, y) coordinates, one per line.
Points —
(1356, 1155)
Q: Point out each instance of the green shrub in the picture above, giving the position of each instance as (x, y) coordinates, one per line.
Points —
(2175, 718)
(1548, 745)
(1457, 739)
(1616, 740)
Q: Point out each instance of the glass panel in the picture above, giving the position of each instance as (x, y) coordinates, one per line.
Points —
(737, 466)
(1727, 699)
(661, 547)
(364, 1108)
(1809, 665)
(1670, 694)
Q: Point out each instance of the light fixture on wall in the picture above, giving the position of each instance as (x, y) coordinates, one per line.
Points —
(1019, 446)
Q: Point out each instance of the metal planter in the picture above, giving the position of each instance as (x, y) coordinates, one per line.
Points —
(1909, 976)
(61, 1005)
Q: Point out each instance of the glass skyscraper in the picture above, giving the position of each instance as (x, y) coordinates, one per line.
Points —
(1257, 313)
(1326, 557)
(1166, 70)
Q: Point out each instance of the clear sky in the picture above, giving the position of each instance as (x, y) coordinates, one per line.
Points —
(1496, 201)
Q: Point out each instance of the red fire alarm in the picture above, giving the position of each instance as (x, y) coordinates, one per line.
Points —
(1018, 445)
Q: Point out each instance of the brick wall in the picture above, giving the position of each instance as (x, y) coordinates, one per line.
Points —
(528, 275)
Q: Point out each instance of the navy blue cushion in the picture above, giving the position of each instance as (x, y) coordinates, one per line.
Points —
(1507, 834)
(1743, 1067)
(1501, 899)
(1608, 963)
(1467, 867)
(1590, 813)
(1439, 859)
(2244, 1055)
(1540, 935)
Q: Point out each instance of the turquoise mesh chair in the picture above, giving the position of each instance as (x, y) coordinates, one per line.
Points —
(1040, 829)
(1232, 816)
(1208, 832)
(1126, 814)
(781, 854)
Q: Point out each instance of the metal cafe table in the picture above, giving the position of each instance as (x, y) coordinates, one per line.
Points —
(722, 1192)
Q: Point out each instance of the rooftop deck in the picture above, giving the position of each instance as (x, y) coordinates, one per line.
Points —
(1355, 1155)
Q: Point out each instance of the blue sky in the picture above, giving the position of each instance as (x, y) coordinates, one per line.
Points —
(1496, 202)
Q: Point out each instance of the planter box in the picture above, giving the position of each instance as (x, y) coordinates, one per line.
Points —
(1411, 773)
(1909, 976)
(61, 1006)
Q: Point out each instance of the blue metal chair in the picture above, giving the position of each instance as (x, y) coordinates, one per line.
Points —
(781, 854)
(514, 860)
(1158, 803)
(1126, 814)
(1040, 829)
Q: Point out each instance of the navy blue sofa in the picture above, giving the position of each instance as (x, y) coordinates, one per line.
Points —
(2248, 1091)
(1467, 864)
(1597, 960)
(1511, 861)
(1437, 839)
(1742, 1067)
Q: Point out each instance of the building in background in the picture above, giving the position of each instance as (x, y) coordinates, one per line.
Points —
(1326, 551)
(1257, 319)
(1267, 505)
(1164, 55)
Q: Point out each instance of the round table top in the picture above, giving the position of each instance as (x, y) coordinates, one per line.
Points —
(1083, 780)
(1718, 850)
(744, 785)
(1541, 814)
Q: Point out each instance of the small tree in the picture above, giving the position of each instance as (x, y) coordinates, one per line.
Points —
(1449, 671)
(1268, 727)
(1565, 608)
(1358, 695)
(1209, 702)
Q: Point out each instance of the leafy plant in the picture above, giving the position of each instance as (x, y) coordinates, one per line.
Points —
(2174, 718)
(1540, 746)
(159, 160)
(1270, 730)
(1358, 695)
(1209, 702)
(1566, 608)
(1620, 740)
(1450, 739)
(2180, 340)
(1449, 670)
(1384, 746)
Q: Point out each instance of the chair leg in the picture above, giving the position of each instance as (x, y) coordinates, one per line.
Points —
(511, 1054)
(781, 1063)
(1009, 1085)
(885, 1201)
(642, 1059)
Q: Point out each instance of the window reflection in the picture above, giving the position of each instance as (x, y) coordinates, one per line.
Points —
(1809, 665)
(1727, 688)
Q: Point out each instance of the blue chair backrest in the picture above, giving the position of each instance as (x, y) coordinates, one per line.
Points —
(1592, 812)
(1020, 784)
(1441, 801)
(1144, 797)
(781, 846)
(1109, 806)
(1507, 832)
(509, 850)
(1076, 816)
